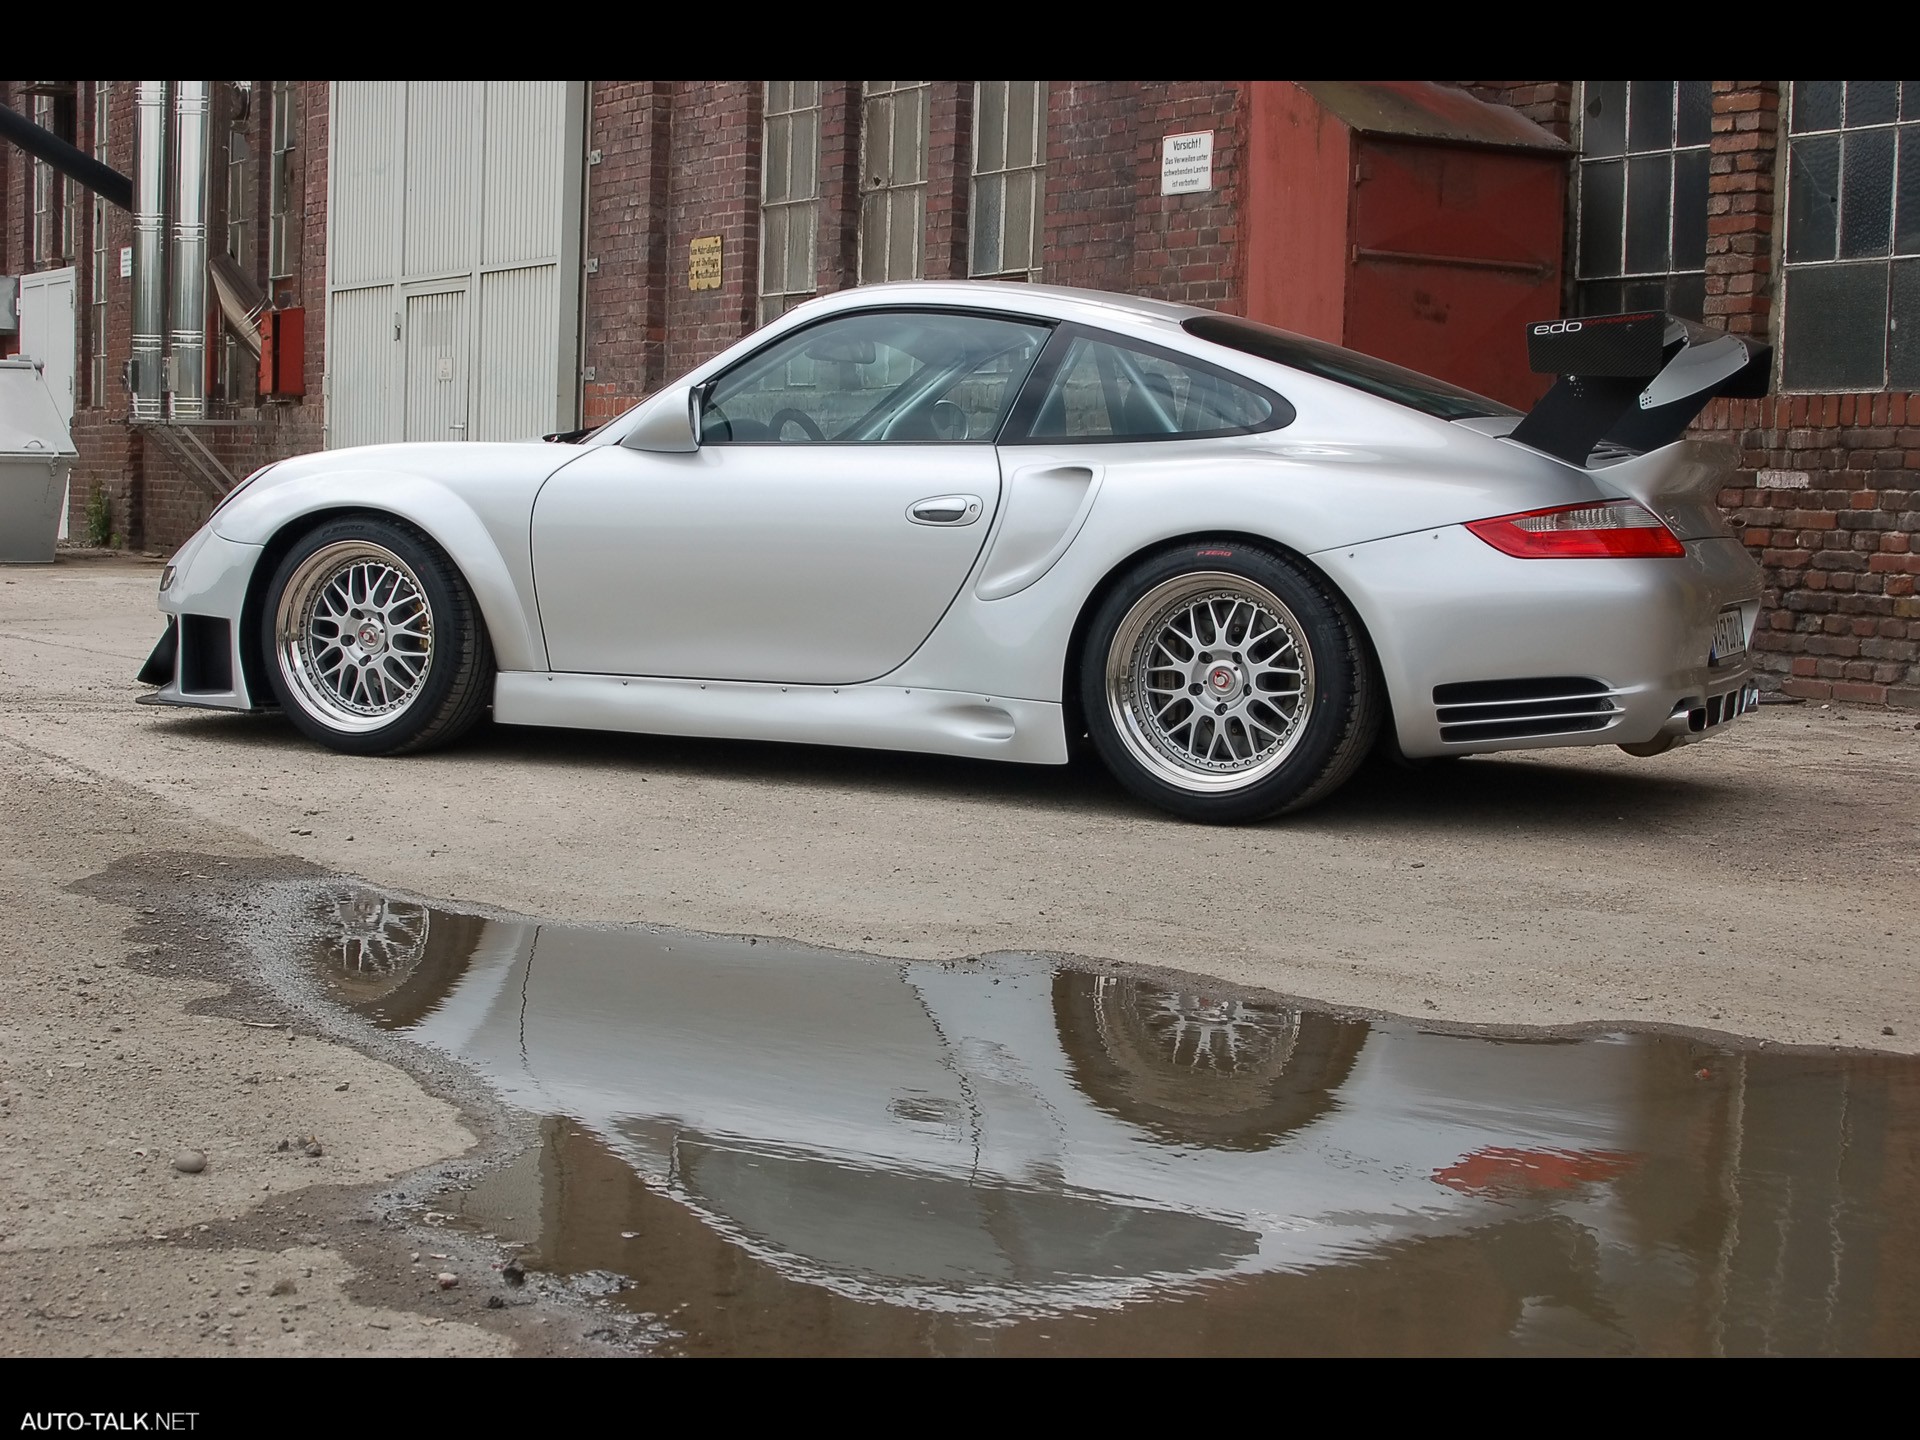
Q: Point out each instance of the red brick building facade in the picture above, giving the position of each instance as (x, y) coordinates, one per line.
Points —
(1827, 498)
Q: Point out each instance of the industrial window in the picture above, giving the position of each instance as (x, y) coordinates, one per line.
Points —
(102, 262)
(237, 375)
(1643, 196)
(893, 179)
(789, 195)
(239, 186)
(279, 183)
(55, 198)
(1009, 177)
(1852, 305)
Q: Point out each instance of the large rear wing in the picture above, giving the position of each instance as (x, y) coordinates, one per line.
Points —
(1632, 380)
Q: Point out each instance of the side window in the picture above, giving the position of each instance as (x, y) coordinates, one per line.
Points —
(1108, 391)
(895, 376)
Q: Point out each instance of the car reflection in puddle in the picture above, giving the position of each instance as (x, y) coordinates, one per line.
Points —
(791, 1150)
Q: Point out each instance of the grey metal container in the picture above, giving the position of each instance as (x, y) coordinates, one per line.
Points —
(36, 455)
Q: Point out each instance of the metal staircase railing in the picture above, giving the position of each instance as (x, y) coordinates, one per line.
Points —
(192, 452)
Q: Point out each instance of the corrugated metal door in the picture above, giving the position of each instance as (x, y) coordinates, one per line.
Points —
(454, 245)
(435, 361)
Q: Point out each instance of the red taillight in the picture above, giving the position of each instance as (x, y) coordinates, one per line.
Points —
(1611, 528)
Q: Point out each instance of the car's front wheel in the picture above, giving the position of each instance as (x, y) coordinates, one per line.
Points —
(373, 643)
(1224, 683)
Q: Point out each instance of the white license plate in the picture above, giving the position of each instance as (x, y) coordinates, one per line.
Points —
(1729, 635)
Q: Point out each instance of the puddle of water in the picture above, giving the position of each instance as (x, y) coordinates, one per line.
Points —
(790, 1151)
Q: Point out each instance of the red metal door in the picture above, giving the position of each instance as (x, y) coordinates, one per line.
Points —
(1453, 250)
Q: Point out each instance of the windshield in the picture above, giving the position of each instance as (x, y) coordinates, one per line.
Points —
(1345, 367)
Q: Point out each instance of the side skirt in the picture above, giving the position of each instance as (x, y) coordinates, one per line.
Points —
(872, 717)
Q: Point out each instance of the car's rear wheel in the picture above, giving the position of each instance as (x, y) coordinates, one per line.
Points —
(373, 643)
(1224, 683)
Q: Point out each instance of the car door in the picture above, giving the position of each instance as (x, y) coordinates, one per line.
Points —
(843, 485)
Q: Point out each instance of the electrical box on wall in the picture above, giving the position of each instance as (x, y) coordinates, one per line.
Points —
(283, 349)
(9, 305)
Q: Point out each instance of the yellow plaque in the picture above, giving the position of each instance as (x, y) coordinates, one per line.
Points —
(703, 263)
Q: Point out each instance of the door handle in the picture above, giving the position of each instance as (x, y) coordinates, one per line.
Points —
(945, 510)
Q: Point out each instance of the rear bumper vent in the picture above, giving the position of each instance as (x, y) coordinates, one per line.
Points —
(1514, 709)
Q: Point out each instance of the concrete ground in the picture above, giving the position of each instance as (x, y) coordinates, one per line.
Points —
(1761, 884)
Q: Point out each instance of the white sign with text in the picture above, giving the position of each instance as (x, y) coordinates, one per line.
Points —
(1186, 163)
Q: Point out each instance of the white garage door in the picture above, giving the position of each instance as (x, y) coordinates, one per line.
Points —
(453, 259)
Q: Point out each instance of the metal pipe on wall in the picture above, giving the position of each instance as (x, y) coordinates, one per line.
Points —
(187, 318)
(69, 160)
(149, 239)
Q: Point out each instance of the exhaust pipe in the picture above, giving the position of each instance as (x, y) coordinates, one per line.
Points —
(187, 322)
(149, 237)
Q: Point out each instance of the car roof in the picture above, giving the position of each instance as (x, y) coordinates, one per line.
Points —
(1055, 301)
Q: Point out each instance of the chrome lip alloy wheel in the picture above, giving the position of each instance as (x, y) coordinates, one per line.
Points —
(1209, 681)
(354, 635)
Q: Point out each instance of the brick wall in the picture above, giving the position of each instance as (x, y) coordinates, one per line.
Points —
(1185, 246)
(837, 244)
(949, 178)
(1092, 183)
(1107, 225)
(684, 160)
(1740, 205)
(173, 499)
(1827, 489)
(154, 501)
(1827, 496)
(625, 322)
(1548, 103)
(714, 184)
(679, 161)
(1829, 505)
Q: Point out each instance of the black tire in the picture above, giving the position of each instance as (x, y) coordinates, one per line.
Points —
(419, 672)
(1227, 748)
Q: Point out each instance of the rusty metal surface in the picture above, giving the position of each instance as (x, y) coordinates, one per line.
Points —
(1453, 250)
(1426, 110)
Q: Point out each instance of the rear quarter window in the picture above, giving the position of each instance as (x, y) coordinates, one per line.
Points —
(1101, 388)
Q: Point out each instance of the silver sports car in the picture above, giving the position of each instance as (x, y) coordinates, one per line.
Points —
(987, 519)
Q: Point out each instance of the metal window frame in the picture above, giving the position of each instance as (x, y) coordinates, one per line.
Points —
(235, 378)
(98, 380)
(877, 98)
(1038, 168)
(54, 199)
(239, 218)
(777, 299)
(1626, 153)
(1788, 268)
(280, 148)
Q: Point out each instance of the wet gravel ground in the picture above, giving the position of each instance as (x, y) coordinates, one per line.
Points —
(1759, 885)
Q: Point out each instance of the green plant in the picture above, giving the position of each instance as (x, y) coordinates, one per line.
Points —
(100, 518)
